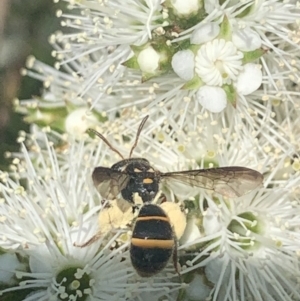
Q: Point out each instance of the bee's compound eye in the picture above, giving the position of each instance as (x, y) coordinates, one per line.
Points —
(177, 217)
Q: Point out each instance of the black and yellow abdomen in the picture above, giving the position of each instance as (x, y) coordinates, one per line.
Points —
(152, 241)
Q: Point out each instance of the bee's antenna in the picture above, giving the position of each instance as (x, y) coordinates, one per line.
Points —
(138, 134)
(105, 141)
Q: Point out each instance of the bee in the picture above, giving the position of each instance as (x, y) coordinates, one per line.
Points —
(136, 175)
(157, 228)
(155, 232)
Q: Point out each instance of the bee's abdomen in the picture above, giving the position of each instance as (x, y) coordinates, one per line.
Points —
(152, 241)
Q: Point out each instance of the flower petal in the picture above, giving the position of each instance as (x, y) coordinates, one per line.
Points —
(184, 7)
(183, 64)
(9, 264)
(212, 98)
(78, 121)
(205, 33)
(197, 289)
(246, 39)
(250, 79)
(148, 60)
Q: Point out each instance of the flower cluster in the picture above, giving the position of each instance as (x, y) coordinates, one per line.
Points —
(220, 83)
(42, 226)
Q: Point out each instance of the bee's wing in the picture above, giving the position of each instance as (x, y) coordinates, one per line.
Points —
(109, 182)
(231, 181)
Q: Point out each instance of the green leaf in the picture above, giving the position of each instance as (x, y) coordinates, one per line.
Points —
(193, 84)
(231, 94)
(131, 63)
(252, 56)
(225, 29)
(147, 76)
(53, 117)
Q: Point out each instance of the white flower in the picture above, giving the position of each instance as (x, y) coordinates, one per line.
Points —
(92, 57)
(148, 60)
(93, 54)
(61, 204)
(218, 62)
(269, 21)
(43, 222)
(251, 236)
(239, 235)
(78, 121)
(59, 208)
(243, 248)
(101, 38)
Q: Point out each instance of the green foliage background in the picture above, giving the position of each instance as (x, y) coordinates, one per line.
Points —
(25, 26)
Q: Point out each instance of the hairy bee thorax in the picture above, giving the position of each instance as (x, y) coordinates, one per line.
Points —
(143, 179)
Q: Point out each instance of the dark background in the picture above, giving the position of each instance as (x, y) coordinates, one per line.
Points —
(25, 26)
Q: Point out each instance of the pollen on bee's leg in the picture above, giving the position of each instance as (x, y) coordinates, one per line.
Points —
(138, 201)
(177, 217)
(117, 216)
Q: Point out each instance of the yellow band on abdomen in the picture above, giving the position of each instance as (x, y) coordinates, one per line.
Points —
(152, 243)
(148, 218)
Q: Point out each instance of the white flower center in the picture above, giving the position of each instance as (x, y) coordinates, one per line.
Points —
(218, 62)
